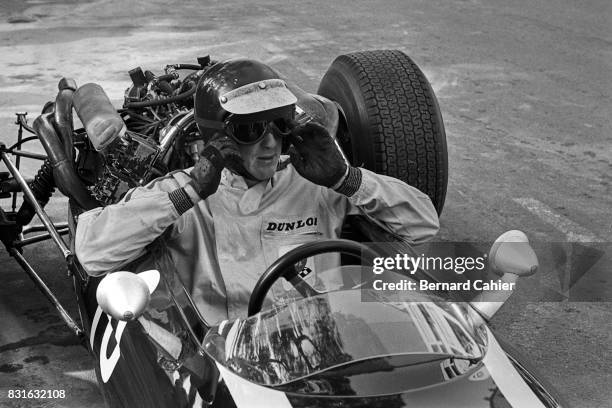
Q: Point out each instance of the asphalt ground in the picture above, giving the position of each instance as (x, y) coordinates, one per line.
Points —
(524, 88)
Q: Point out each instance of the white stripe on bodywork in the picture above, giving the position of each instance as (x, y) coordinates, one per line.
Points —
(507, 378)
(249, 395)
(94, 326)
(107, 365)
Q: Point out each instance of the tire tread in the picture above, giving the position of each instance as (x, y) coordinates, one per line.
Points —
(405, 125)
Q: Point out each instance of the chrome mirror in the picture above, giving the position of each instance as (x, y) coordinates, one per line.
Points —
(125, 295)
(510, 256)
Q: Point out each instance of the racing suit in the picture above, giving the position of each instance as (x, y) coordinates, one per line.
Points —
(222, 244)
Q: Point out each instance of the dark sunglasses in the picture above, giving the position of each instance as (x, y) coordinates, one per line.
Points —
(253, 132)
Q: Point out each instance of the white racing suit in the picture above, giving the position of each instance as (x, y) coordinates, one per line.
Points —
(221, 245)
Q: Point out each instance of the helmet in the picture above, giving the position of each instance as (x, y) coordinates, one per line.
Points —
(240, 91)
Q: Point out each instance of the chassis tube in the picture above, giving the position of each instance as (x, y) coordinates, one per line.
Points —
(38, 238)
(40, 284)
(38, 228)
(55, 236)
(29, 155)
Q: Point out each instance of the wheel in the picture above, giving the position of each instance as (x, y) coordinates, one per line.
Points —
(393, 124)
(283, 266)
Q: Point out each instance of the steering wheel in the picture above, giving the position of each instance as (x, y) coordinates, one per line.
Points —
(284, 266)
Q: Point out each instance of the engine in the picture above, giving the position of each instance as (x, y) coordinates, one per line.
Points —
(152, 134)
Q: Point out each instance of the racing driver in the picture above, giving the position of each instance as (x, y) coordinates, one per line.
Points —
(244, 203)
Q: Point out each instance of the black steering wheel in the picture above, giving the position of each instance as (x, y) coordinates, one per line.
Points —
(284, 266)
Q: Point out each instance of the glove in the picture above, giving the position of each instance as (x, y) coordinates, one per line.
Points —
(315, 155)
(219, 152)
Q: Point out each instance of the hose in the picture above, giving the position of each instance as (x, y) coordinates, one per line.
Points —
(166, 77)
(157, 102)
(165, 87)
(187, 66)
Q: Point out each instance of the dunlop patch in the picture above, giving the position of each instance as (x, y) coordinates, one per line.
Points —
(301, 225)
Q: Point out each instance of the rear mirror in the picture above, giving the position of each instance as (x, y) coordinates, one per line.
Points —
(510, 256)
(125, 295)
(511, 253)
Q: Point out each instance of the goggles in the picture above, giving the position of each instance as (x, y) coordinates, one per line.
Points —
(253, 132)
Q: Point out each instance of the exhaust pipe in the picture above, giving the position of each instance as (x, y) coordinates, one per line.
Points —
(62, 118)
(44, 184)
(64, 175)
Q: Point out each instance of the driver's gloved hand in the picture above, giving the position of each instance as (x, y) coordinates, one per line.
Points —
(317, 157)
(219, 152)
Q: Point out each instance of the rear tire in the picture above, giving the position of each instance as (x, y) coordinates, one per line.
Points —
(393, 124)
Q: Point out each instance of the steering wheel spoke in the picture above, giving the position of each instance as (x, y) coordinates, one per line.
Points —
(302, 286)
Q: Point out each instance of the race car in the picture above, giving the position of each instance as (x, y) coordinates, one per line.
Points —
(343, 347)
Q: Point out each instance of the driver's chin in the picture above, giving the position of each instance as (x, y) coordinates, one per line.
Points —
(263, 172)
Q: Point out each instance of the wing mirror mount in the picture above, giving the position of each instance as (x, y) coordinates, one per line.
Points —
(125, 295)
(511, 256)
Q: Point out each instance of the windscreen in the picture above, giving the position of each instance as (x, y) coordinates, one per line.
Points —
(321, 332)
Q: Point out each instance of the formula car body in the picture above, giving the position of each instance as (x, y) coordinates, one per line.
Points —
(338, 348)
(328, 349)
